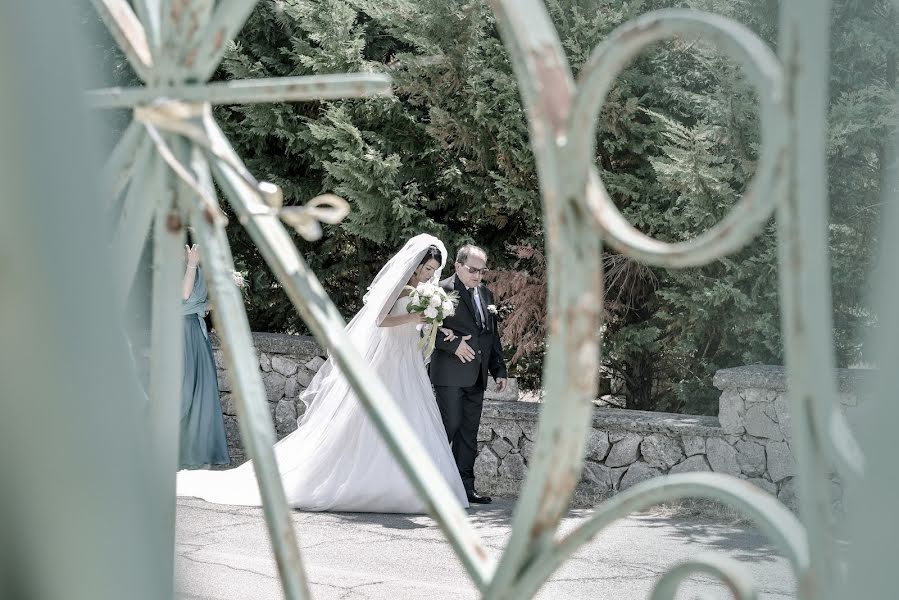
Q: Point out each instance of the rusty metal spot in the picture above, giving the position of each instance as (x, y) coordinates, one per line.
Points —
(190, 58)
(218, 39)
(173, 222)
(554, 101)
(479, 550)
(209, 215)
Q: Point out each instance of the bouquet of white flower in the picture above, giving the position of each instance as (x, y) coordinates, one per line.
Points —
(435, 304)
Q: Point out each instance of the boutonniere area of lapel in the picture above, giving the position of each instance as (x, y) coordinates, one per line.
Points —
(491, 308)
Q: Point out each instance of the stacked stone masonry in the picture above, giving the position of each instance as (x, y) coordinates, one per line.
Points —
(287, 365)
(750, 438)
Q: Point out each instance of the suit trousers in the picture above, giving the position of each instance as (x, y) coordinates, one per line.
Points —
(460, 408)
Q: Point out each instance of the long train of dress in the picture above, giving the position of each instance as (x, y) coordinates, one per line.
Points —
(336, 460)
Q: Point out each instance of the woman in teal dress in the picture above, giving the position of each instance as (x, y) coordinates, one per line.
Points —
(203, 439)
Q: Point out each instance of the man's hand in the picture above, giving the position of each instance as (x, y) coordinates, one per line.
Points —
(501, 384)
(464, 351)
(448, 334)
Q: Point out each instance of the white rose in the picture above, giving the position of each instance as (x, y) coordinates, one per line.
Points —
(491, 308)
(414, 298)
(435, 301)
(447, 307)
(431, 313)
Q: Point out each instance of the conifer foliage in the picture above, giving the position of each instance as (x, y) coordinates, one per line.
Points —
(449, 154)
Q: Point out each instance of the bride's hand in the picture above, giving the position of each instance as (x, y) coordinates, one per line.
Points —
(416, 318)
(448, 334)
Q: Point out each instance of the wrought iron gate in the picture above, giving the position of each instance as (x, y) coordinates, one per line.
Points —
(160, 177)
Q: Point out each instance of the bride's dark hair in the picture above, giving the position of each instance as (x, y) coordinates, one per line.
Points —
(432, 253)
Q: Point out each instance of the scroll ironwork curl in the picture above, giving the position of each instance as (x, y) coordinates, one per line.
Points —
(170, 56)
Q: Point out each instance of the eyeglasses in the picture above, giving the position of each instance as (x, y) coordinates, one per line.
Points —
(474, 270)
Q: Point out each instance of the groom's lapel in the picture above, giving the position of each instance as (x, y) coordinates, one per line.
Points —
(465, 296)
(482, 292)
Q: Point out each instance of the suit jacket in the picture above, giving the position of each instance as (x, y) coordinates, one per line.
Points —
(446, 368)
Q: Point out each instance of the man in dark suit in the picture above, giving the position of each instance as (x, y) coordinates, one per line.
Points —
(459, 367)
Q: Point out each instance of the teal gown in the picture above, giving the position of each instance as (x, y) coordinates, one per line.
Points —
(203, 439)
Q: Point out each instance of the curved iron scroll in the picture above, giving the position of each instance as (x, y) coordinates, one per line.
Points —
(182, 149)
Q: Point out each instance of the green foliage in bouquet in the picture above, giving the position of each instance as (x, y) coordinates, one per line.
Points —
(436, 304)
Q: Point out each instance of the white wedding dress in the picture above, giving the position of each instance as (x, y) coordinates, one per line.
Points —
(336, 460)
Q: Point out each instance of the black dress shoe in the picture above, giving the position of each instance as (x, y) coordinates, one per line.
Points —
(476, 498)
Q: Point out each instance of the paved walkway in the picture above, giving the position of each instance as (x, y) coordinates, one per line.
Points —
(223, 553)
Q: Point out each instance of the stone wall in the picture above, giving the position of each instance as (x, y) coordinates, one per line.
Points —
(750, 438)
(754, 412)
(624, 447)
(288, 363)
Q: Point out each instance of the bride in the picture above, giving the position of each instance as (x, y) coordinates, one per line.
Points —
(336, 460)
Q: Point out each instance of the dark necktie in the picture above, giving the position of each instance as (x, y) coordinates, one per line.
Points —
(477, 312)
